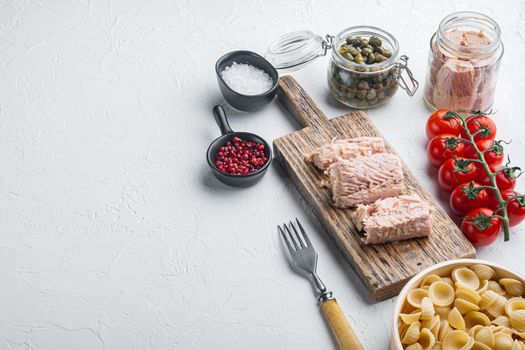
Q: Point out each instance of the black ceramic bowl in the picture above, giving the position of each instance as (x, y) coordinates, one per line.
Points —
(227, 135)
(240, 101)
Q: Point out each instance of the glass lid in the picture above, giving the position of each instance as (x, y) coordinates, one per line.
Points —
(294, 50)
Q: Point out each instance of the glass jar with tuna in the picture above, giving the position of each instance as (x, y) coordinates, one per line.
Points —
(463, 63)
(365, 69)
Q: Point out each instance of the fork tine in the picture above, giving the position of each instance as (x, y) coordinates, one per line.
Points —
(305, 236)
(296, 244)
(285, 238)
(302, 244)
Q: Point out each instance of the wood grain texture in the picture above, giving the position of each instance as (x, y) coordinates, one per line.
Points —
(384, 268)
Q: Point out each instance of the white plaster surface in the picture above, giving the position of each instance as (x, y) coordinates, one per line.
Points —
(115, 235)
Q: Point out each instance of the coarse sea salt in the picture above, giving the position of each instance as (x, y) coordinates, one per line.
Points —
(246, 79)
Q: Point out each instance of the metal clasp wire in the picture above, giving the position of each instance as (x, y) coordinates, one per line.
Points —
(327, 43)
(402, 65)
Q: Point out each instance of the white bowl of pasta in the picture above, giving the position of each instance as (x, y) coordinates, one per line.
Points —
(461, 304)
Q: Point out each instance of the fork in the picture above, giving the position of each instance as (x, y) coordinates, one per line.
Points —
(304, 261)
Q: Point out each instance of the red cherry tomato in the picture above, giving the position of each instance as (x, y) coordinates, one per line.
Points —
(442, 121)
(483, 126)
(442, 147)
(505, 180)
(480, 227)
(455, 171)
(494, 155)
(468, 196)
(515, 207)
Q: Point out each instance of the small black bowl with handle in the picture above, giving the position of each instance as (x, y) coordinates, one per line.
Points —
(227, 135)
(236, 99)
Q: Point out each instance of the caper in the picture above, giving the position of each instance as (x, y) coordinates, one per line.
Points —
(353, 50)
(363, 85)
(366, 51)
(361, 94)
(348, 56)
(379, 49)
(380, 58)
(387, 53)
(375, 41)
(358, 58)
(364, 43)
(357, 41)
(371, 94)
(371, 58)
(349, 40)
(343, 48)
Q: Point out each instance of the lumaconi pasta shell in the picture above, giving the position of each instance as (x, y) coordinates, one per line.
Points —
(501, 321)
(468, 294)
(432, 325)
(514, 304)
(518, 345)
(444, 328)
(448, 280)
(484, 272)
(485, 336)
(442, 312)
(483, 286)
(497, 308)
(465, 277)
(473, 318)
(496, 287)
(426, 339)
(501, 329)
(512, 286)
(415, 346)
(427, 309)
(411, 335)
(488, 297)
(517, 320)
(502, 341)
(455, 319)
(456, 340)
(465, 306)
(473, 330)
(415, 296)
(480, 346)
(410, 318)
(441, 293)
(428, 280)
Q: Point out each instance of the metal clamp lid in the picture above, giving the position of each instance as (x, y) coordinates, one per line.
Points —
(402, 65)
(294, 50)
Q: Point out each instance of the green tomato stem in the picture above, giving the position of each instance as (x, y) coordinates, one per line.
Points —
(492, 176)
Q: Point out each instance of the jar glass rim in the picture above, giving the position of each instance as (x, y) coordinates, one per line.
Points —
(485, 22)
(364, 30)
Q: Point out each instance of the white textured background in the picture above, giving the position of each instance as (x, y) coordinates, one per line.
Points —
(114, 234)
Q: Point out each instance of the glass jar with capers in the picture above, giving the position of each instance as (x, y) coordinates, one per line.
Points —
(364, 70)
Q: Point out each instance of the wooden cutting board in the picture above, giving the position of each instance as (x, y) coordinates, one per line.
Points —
(385, 268)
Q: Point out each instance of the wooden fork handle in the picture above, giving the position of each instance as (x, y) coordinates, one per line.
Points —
(341, 329)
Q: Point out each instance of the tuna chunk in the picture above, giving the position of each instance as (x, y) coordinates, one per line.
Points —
(330, 153)
(457, 84)
(365, 179)
(394, 219)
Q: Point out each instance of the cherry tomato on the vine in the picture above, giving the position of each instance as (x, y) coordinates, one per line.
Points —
(494, 151)
(515, 207)
(442, 147)
(481, 227)
(505, 179)
(468, 196)
(442, 121)
(481, 125)
(455, 171)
